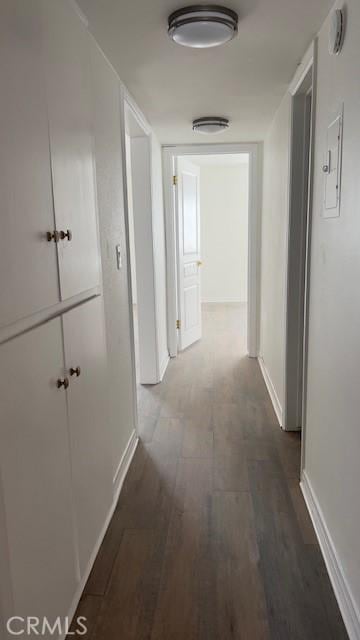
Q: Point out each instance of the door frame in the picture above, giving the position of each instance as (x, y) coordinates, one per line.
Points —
(296, 328)
(145, 270)
(170, 153)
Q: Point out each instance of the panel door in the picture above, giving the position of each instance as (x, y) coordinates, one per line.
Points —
(28, 263)
(35, 474)
(85, 357)
(67, 79)
(189, 263)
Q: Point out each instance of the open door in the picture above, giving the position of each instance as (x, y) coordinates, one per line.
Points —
(189, 263)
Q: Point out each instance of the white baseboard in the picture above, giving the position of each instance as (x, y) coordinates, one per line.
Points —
(348, 608)
(117, 483)
(272, 393)
(124, 464)
(222, 301)
(163, 366)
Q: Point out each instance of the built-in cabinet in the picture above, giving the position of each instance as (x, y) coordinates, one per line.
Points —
(49, 240)
(67, 75)
(90, 444)
(56, 452)
(36, 473)
(28, 262)
(55, 456)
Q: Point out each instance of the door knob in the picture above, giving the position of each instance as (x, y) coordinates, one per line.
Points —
(75, 372)
(62, 383)
(67, 234)
(52, 235)
(199, 263)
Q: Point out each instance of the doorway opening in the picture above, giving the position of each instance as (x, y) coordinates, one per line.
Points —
(298, 268)
(212, 239)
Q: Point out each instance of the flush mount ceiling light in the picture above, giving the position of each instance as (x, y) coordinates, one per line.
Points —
(202, 26)
(210, 124)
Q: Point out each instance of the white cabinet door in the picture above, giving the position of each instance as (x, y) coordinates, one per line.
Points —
(189, 252)
(35, 474)
(85, 356)
(28, 264)
(69, 100)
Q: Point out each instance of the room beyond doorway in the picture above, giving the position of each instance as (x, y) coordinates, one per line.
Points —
(224, 203)
(212, 236)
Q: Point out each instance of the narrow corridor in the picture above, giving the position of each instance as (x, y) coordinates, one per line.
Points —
(211, 538)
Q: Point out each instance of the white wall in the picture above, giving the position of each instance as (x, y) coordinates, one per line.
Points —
(275, 216)
(332, 451)
(110, 194)
(332, 424)
(224, 232)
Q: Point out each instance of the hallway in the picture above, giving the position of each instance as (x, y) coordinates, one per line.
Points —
(211, 538)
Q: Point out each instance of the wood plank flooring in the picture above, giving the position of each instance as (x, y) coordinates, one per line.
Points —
(211, 539)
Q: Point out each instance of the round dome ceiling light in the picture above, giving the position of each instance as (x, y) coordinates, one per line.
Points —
(336, 31)
(202, 26)
(210, 124)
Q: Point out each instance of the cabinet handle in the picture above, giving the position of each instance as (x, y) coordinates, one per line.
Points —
(75, 372)
(67, 235)
(52, 235)
(62, 383)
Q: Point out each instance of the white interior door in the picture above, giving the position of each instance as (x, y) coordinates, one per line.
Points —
(189, 301)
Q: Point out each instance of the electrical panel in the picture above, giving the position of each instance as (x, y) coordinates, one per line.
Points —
(332, 168)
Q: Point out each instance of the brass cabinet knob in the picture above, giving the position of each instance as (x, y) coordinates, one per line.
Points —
(52, 235)
(67, 234)
(75, 372)
(62, 383)
(199, 263)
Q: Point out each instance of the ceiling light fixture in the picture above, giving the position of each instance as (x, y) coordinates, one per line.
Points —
(202, 26)
(210, 124)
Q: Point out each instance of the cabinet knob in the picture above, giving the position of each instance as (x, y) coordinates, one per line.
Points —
(67, 234)
(52, 235)
(62, 383)
(75, 372)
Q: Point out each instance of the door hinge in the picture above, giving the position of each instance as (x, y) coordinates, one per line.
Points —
(178, 324)
(175, 180)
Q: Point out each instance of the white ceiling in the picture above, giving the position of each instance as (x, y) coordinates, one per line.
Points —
(243, 80)
(221, 159)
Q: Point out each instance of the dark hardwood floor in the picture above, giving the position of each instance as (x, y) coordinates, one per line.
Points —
(211, 539)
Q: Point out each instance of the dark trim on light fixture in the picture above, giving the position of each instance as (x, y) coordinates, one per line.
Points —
(199, 124)
(204, 14)
(205, 8)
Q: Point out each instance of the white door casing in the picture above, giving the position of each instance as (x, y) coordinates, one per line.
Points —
(188, 218)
